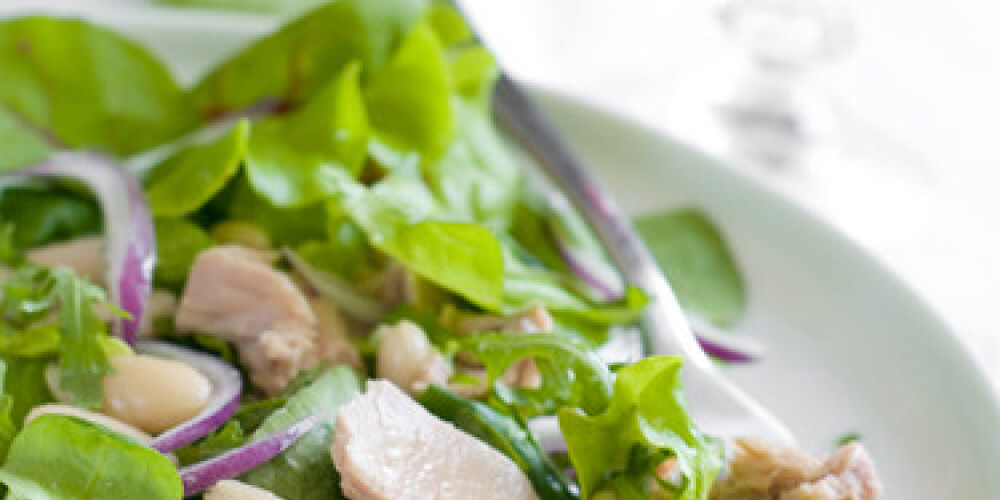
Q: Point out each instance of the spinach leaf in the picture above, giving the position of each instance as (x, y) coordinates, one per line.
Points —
(292, 64)
(693, 254)
(25, 383)
(409, 98)
(305, 471)
(57, 457)
(288, 153)
(461, 257)
(43, 216)
(86, 86)
(187, 180)
(178, 244)
(571, 374)
(645, 423)
(20, 145)
(7, 427)
(223, 439)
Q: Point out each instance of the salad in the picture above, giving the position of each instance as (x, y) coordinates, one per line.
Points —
(321, 272)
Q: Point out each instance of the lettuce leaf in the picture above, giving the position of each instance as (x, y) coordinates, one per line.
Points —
(409, 99)
(7, 427)
(20, 145)
(86, 86)
(25, 384)
(178, 243)
(571, 374)
(43, 216)
(645, 423)
(693, 254)
(56, 457)
(305, 471)
(288, 153)
(291, 65)
(187, 180)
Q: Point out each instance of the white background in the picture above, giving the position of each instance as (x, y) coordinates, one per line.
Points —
(924, 76)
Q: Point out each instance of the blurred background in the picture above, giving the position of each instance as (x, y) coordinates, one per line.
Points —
(890, 131)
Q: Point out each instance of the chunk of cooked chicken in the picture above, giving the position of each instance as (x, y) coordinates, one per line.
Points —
(407, 358)
(387, 447)
(235, 294)
(763, 471)
(235, 490)
(83, 255)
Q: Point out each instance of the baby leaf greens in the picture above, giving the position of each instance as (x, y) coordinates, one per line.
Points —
(33, 292)
(64, 458)
(645, 423)
(82, 86)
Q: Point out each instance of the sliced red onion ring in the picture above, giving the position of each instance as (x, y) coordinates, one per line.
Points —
(202, 475)
(131, 248)
(223, 401)
(724, 347)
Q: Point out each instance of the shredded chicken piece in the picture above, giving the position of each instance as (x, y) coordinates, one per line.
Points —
(763, 471)
(83, 255)
(388, 447)
(235, 294)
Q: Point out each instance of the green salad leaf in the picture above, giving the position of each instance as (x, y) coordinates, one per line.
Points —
(25, 384)
(187, 180)
(178, 243)
(86, 86)
(409, 99)
(43, 216)
(476, 178)
(291, 65)
(286, 226)
(571, 374)
(223, 439)
(32, 292)
(646, 422)
(288, 153)
(57, 457)
(8, 429)
(693, 254)
(305, 471)
(20, 145)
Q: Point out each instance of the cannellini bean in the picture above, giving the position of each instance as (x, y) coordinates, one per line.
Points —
(97, 418)
(235, 490)
(408, 359)
(154, 394)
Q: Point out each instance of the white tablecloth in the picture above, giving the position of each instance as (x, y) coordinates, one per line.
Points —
(924, 76)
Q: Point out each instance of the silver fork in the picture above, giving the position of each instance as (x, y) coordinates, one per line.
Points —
(719, 407)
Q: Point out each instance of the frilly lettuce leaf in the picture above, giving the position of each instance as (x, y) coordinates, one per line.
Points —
(571, 374)
(291, 65)
(57, 457)
(86, 87)
(288, 153)
(409, 99)
(646, 422)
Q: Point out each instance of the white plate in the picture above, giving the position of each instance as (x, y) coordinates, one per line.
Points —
(850, 347)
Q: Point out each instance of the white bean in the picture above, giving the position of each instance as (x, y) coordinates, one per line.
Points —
(154, 394)
(234, 490)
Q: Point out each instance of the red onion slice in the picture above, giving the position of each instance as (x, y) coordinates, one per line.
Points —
(202, 475)
(222, 404)
(128, 227)
(724, 347)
